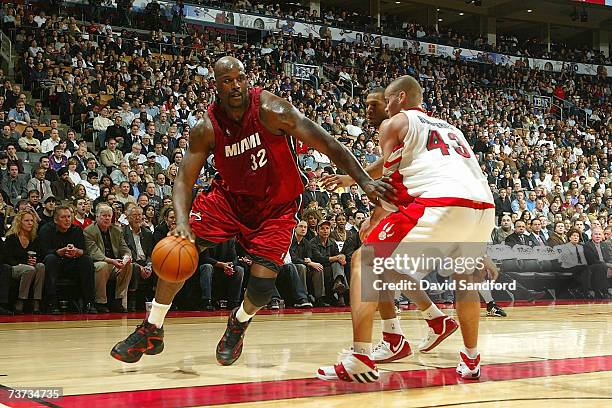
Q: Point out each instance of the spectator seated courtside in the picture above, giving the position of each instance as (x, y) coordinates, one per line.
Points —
(112, 259)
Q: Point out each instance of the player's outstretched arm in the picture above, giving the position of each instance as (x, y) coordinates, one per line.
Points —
(374, 170)
(282, 118)
(201, 143)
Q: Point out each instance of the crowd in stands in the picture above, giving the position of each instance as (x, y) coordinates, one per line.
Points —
(350, 19)
(97, 122)
(402, 27)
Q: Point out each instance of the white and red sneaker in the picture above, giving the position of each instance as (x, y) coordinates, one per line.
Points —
(468, 368)
(353, 368)
(392, 347)
(439, 329)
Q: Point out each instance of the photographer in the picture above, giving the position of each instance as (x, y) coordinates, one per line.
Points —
(178, 13)
(123, 12)
(153, 14)
(96, 10)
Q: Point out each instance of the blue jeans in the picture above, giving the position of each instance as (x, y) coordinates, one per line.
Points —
(232, 283)
(296, 274)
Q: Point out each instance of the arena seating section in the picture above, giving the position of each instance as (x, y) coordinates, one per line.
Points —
(79, 68)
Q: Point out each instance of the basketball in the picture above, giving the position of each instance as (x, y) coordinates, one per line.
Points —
(174, 259)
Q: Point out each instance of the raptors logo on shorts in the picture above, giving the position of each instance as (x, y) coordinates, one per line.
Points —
(386, 232)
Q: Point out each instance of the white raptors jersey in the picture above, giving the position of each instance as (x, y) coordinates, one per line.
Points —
(434, 161)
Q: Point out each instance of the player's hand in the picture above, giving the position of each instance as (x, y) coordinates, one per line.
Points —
(376, 189)
(183, 230)
(336, 180)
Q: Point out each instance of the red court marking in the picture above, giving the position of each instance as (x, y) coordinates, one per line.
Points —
(312, 387)
(289, 311)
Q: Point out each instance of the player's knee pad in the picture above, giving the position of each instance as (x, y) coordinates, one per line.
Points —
(260, 290)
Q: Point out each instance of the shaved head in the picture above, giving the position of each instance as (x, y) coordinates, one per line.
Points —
(403, 93)
(409, 85)
(232, 86)
(226, 64)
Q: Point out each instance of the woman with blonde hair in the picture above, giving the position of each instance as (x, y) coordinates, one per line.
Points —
(171, 174)
(22, 253)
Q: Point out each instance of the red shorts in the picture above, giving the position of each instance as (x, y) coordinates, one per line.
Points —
(264, 232)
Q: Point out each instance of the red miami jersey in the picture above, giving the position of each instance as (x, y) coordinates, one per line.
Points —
(257, 167)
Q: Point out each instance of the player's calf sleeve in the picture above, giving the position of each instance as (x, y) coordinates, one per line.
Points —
(260, 290)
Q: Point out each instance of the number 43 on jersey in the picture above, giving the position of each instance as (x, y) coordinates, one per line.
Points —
(435, 141)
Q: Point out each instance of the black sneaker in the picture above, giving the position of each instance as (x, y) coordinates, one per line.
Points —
(5, 312)
(229, 348)
(320, 302)
(275, 304)
(207, 305)
(89, 308)
(302, 304)
(494, 310)
(101, 308)
(146, 339)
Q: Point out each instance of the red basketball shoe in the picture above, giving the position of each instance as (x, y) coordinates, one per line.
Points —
(392, 347)
(468, 368)
(352, 368)
(439, 329)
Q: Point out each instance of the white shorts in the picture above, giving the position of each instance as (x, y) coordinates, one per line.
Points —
(445, 238)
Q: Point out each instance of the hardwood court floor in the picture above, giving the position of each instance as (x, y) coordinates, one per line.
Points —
(552, 355)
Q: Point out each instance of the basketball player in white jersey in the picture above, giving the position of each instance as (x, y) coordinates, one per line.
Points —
(443, 199)
(394, 345)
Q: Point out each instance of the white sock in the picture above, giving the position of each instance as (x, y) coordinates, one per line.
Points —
(471, 352)
(158, 314)
(486, 295)
(431, 312)
(243, 316)
(392, 326)
(363, 348)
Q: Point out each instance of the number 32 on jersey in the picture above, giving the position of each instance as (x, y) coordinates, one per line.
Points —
(259, 159)
(435, 141)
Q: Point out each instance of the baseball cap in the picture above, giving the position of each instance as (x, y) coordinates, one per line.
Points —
(49, 199)
(151, 154)
(323, 222)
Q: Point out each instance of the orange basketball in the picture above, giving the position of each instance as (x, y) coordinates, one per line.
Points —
(174, 259)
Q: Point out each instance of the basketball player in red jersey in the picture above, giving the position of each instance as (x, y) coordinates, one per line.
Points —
(249, 131)
(394, 345)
